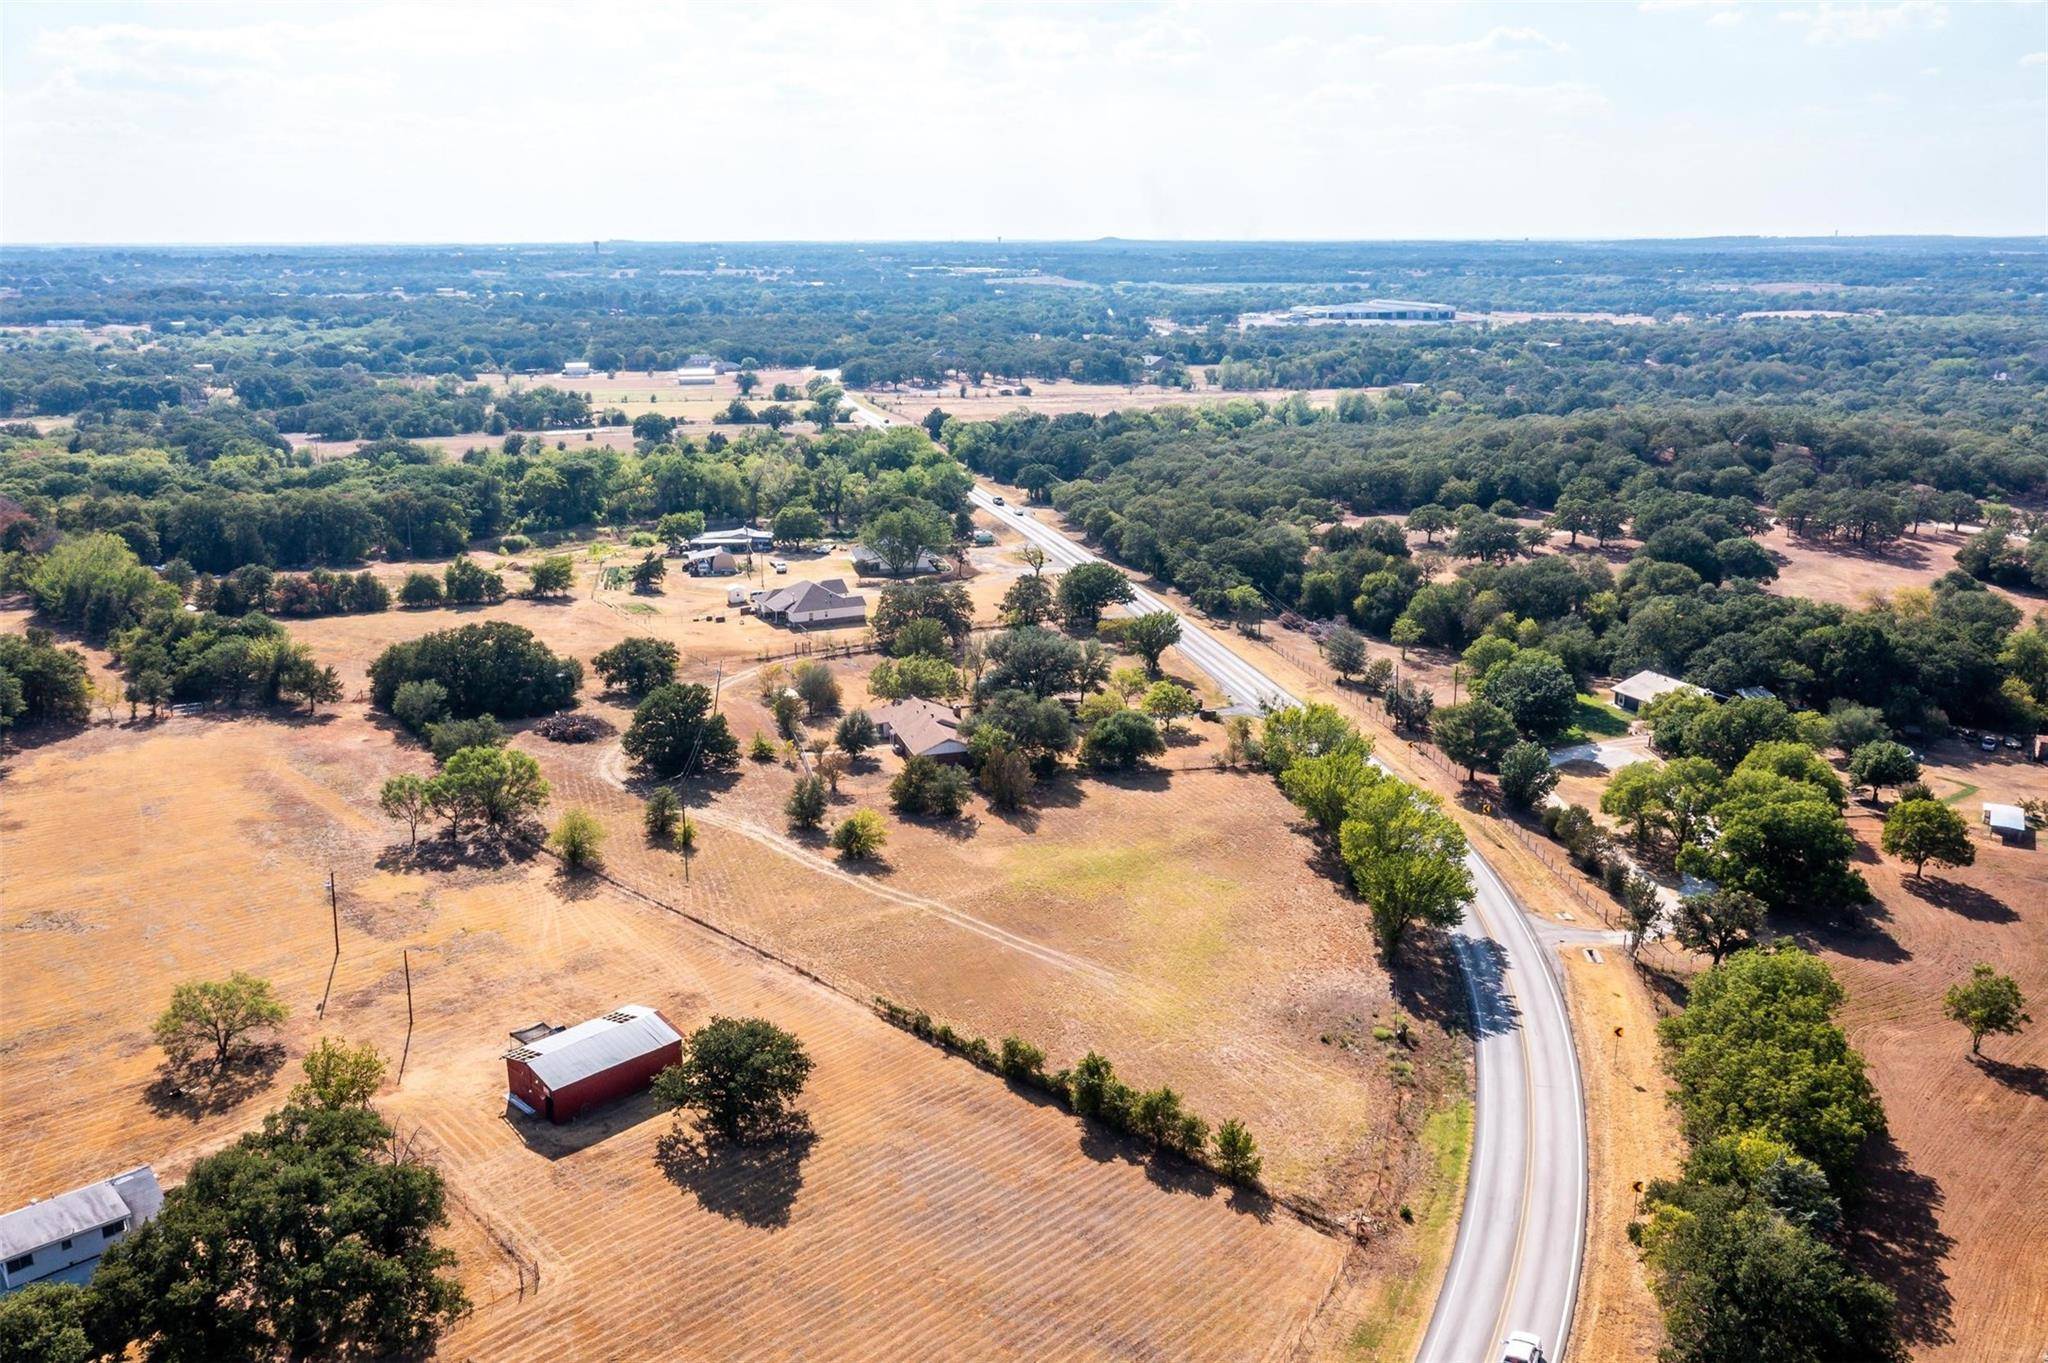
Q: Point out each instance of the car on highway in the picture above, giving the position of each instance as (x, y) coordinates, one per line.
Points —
(1000, 502)
(1521, 1347)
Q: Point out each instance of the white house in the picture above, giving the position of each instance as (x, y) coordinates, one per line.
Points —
(922, 728)
(825, 603)
(1646, 686)
(61, 1238)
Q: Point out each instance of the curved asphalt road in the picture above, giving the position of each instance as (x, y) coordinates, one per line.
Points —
(1516, 1264)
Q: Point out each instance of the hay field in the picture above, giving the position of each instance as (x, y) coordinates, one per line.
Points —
(935, 1213)
(987, 402)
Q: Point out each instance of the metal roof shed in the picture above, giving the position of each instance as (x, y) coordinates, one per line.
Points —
(2008, 821)
(563, 1075)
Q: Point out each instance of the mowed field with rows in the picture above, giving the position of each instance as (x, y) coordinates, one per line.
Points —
(933, 1212)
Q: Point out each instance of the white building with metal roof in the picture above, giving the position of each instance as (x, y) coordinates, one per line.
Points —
(61, 1238)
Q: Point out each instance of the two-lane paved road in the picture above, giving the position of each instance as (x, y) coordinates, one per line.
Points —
(1516, 1262)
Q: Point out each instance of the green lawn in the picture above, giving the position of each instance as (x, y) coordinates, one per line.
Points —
(1594, 719)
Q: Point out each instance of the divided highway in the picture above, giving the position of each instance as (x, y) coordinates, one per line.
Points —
(1516, 1262)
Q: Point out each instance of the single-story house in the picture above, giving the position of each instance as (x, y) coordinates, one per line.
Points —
(743, 540)
(2009, 822)
(1755, 693)
(711, 563)
(61, 1238)
(921, 728)
(1644, 687)
(813, 603)
(563, 1074)
(710, 362)
(868, 563)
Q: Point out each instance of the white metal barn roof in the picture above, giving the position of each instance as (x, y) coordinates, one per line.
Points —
(134, 1193)
(626, 1033)
(1646, 686)
(2006, 818)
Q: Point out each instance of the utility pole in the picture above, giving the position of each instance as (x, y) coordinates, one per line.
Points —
(334, 912)
(405, 957)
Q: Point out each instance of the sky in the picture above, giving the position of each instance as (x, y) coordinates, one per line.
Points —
(431, 122)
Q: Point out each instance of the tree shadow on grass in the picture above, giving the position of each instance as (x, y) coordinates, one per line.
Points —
(1428, 983)
(1857, 932)
(1968, 901)
(2030, 1079)
(754, 1183)
(1896, 1237)
(576, 885)
(444, 853)
(195, 1091)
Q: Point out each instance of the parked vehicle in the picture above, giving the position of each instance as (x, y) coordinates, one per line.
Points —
(1989, 743)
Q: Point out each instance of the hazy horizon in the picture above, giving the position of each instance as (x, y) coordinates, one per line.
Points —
(1672, 119)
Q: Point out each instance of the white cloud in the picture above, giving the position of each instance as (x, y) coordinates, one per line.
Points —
(2035, 59)
(1569, 97)
(1504, 43)
(1829, 24)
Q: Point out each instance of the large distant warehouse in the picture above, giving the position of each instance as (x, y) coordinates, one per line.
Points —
(1378, 310)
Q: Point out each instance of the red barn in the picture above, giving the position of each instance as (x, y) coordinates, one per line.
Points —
(564, 1074)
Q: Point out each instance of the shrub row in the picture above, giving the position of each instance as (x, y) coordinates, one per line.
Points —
(1091, 1089)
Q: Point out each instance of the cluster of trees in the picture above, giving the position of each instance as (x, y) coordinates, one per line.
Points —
(1216, 500)
(1404, 855)
(175, 654)
(481, 785)
(1744, 1248)
(267, 506)
(42, 682)
(490, 668)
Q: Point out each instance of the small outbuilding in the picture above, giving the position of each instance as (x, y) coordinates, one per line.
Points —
(1644, 687)
(564, 1074)
(60, 1239)
(2009, 822)
(868, 563)
(576, 369)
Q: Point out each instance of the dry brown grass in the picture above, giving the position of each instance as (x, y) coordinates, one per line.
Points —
(934, 1214)
(1632, 1137)
(1822, 571)
(1175, 921)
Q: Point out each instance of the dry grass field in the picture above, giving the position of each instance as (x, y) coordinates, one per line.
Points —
(1968, 1136)
(1824, 572)
(1054, 397)
(1175, 920)
(934, 1212)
